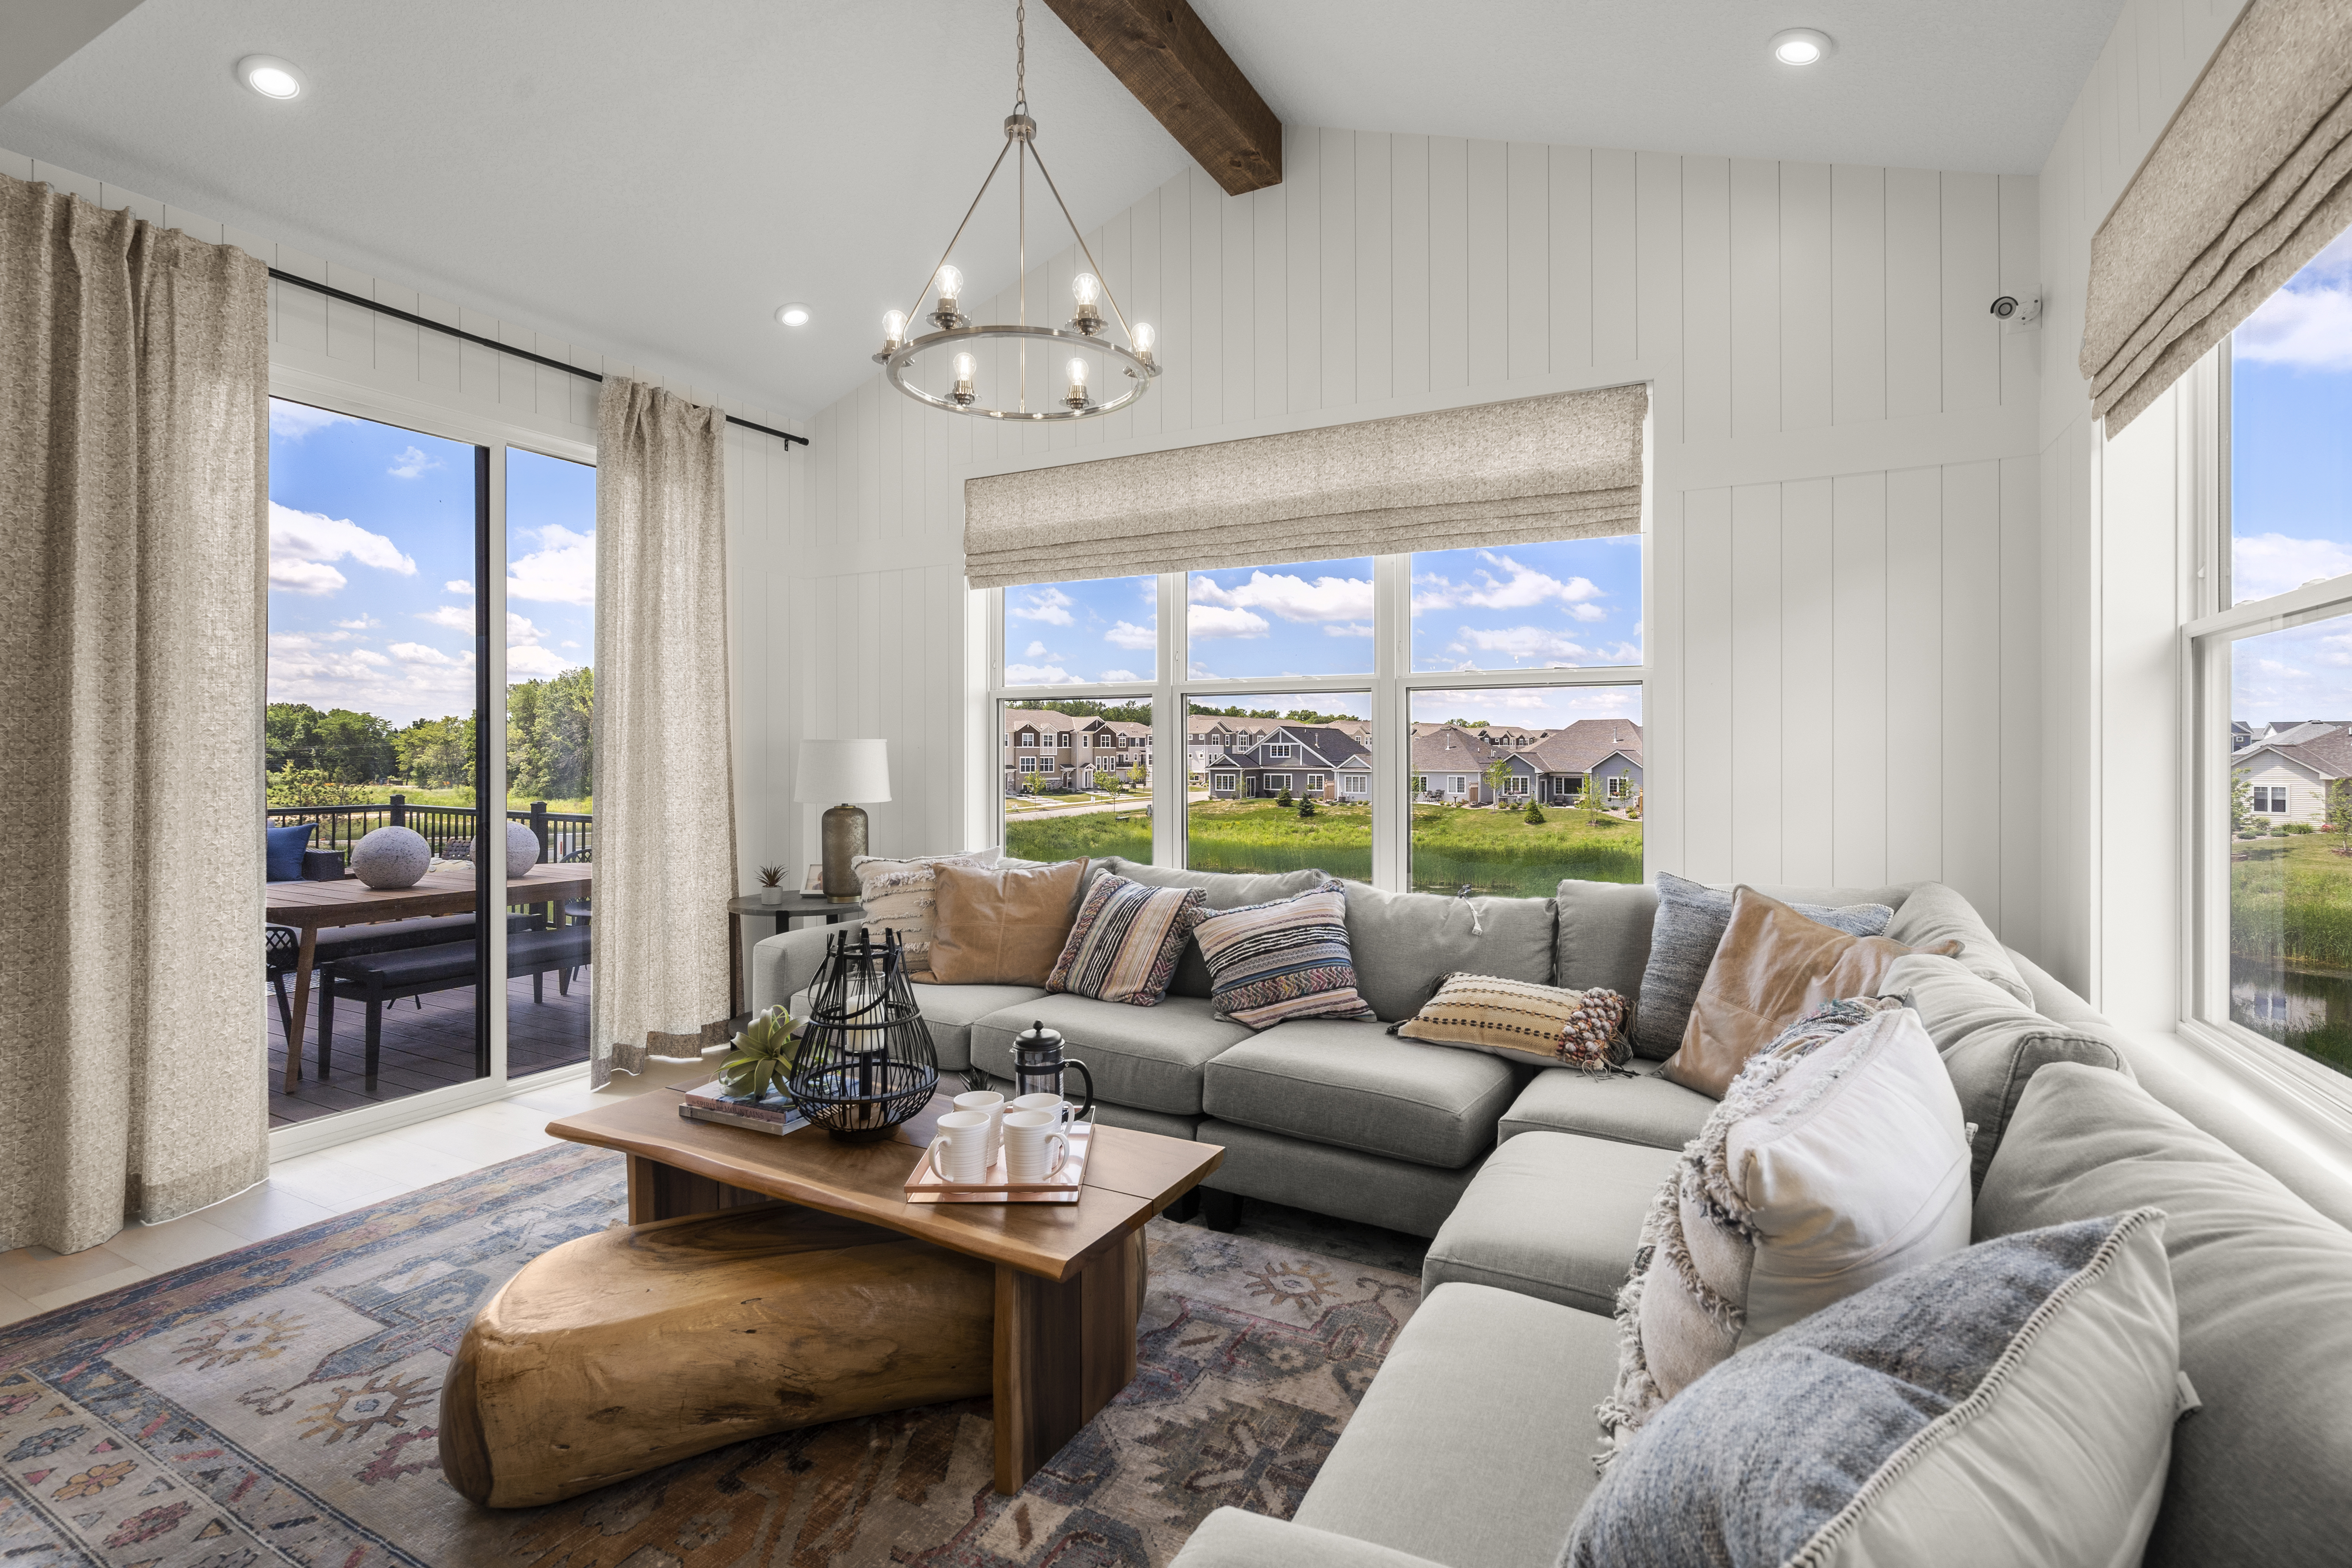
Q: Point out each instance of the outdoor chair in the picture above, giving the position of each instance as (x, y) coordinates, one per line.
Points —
(375, 978)
(282, 947)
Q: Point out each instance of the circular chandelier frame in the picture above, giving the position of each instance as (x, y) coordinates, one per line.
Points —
(1084, 330)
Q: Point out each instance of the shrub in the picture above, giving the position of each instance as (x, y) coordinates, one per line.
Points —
(1283, 799)
(2298, 827)
(1535, 815)
(1307, 806)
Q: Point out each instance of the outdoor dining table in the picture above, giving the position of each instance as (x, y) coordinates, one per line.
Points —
(310, 906)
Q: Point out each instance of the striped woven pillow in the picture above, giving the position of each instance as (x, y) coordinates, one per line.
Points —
(1289, 959)
(1124, 945)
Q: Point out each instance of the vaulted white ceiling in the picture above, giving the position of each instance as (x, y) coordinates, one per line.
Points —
(656, 180)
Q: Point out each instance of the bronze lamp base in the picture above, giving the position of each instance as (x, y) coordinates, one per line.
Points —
(845, 840)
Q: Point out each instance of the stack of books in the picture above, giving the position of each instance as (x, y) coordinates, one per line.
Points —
(773, 1113)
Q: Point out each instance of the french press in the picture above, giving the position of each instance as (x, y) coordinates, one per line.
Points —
(1038, 1064)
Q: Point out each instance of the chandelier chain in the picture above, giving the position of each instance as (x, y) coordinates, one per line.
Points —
(1021, 56)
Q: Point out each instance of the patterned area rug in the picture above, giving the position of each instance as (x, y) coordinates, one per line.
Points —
(276, 1405)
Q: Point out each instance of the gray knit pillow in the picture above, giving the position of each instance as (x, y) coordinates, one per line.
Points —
(1689, 926)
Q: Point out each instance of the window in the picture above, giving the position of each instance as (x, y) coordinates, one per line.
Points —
(1619, 786)
(1529, 606)
(2273, 854)
(1463, 840)
(1355, 784)
(1311, 619)
(1225, 784)
(1280, 751)
(1276, 782)
(1316, 781)
(1064, 634)
(1095, 807)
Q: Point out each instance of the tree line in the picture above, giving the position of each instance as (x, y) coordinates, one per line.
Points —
(550, 746)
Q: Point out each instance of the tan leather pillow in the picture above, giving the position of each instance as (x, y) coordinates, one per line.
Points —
(1003, 925)
(1772, 968)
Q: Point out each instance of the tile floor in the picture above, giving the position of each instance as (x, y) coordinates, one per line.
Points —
(308, 1188)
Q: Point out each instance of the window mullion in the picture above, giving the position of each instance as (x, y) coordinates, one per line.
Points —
(1392, 728)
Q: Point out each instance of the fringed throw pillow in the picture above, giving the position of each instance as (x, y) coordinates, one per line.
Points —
(1836, 1159)
(1287, 959)
(1124, 945)
(903, 896)
(1521, 1021)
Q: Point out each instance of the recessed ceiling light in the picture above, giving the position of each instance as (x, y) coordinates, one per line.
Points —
(793, 315)
(1801, 46)
(271, 77)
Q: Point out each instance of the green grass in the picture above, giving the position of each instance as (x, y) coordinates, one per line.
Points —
(2291, 931)
(1492, 851)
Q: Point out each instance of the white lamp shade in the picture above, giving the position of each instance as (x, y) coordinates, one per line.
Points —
(841, 773)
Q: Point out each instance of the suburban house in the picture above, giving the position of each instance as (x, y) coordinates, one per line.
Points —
(1045, 748)
(1553, 767)
(2291, 767)
(1318, 760)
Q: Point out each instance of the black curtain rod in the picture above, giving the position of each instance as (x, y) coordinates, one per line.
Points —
(415, 320)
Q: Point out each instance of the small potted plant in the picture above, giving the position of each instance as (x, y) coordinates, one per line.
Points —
(771, 884)
(763, 1059)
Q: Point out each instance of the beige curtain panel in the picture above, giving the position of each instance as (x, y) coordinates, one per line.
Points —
(665, 759)
(2251, 179)
(1563, 466)
(135, 410)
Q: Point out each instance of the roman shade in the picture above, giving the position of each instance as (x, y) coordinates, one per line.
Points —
(2251, 179)
(1567, 466)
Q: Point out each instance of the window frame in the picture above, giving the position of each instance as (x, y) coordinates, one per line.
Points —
(2211, 625)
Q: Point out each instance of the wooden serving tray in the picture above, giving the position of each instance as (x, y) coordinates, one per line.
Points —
(925, 1185)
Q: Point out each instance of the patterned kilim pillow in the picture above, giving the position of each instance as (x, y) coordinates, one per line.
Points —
(903, 896)
(1521, 1021)
(1289, 959)
(1124, 945)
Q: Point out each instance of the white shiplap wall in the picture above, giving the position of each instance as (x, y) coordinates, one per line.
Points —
(402, 370)
(1845, 611)
(2110, 705)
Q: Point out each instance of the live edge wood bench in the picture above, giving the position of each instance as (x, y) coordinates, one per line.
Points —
(769, 1283)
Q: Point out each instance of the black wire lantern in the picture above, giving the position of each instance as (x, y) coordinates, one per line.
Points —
(866, 1062)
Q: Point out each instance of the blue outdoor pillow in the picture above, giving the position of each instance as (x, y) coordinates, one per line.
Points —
(284, 852)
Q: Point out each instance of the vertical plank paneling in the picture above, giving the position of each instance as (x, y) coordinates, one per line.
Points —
(1302, 269)
(2020, 274)
(1858, 293)
(1449, 275)
(1755, 297)
(1174, 390)
(1527, 205)
(1808, 665)
(1807, 324)
(1211, 321)
(1615, 240)
(1971, 277)
(1658, 264)
(1665, 765)
(1570, 253)
(1373, 249)
(1915, 676)
(1706, 298)
(1707, 704)
(1974, 768)
(1409, 266)
(1755, 693)
(1237, 308)
(1336, 248)
(1151, 305)
(2020, 714)
(1270, 301)
(1915, 305)
(1856, 765)
(1486, 250)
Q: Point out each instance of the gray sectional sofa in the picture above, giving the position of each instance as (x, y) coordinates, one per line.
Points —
(1472, 1448)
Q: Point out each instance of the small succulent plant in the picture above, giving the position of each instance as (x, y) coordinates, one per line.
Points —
(772, 875)
(764, 1056)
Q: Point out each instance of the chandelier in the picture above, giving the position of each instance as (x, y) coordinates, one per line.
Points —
(985, 370)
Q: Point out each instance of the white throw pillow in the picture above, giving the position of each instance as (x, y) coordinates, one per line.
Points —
(902, 894)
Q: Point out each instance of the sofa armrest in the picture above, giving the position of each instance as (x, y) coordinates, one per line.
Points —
(783, 965)
(1231, 1538)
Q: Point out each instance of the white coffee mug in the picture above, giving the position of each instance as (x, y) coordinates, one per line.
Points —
(1035, 1145)
(1053, 1105)
(990, 1104)
(960, 1148)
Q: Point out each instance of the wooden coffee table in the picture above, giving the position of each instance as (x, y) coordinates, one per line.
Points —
(1069, 1277)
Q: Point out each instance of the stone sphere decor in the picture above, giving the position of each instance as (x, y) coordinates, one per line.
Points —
(522, 851)
(390, 858)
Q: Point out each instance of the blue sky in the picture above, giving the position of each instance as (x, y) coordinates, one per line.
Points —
(2291, 486)
(1520, 608)
(371, 565)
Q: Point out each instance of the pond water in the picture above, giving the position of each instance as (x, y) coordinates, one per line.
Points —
(2304, 1012)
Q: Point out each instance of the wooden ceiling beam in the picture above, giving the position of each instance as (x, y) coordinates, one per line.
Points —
(1166, 56)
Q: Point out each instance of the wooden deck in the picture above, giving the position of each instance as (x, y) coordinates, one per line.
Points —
(426, 1048)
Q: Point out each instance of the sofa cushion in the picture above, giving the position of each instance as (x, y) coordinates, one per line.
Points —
(1124, 943)
(1287, 960)
(1340, 1081)
(283, 848)
(1404, 943)
(1990, 1046)
(950, 1012)
(1932, 913)
(1553, 1216)
(1149, 1057)
(1003, 925)
(1602, 936)
(1449, 1456)
(1325, 1179)
(2262, 1280)
(1683, 936)
(1643, 1109)
(1521, 1021)
(1225, 890)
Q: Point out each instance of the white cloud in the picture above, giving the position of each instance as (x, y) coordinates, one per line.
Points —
(1430, 707)
(1039, 675)
(1127, 634)
(1519, 589)
(1034, 650)
(519, 630)
(301, 544)
(1218, 621)
(293, 421)
(457, 586)
(1351, 629)
(1587, 613)
(531, 662)
(1291, 597)
(450, 617)
(1521, 643)
(412, 462)
(1050, 605)
(1121, 675)
(2308, 324)
(561, 571)
(2262, 564)
(417, 653)
(569, 643)
(364, 623)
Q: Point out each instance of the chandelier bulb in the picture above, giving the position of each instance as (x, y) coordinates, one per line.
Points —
(1077, 370)
(951, 282)
(1146, 337)
(964, 367)
(1085, 289)
(894, 330)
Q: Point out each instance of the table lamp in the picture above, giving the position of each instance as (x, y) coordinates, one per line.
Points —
(843, 772)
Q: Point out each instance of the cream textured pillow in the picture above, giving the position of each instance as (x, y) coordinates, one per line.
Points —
(1521, 1021)
(902, 894)
(1836, 1159)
